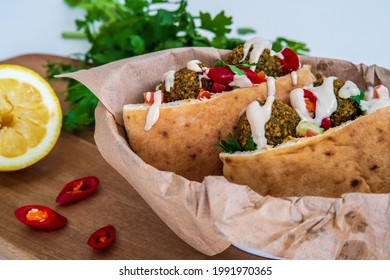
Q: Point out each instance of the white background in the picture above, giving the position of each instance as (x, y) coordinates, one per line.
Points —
(354, 30)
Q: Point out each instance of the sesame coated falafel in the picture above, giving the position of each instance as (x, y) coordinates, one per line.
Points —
(347, 109)
(187, 85)
(270, 64)
(281, 125)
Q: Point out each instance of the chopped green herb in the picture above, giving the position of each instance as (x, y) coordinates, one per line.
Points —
(250, 145)
(359, 97)
(232, 145)
(236, 70)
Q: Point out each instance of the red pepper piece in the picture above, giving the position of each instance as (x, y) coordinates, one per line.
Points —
(102, 237)
(221, 75)
(77, 190)
(224, 76)
(310, 99)
(40, 217)
(149, 96)
(325, 124)
(290, 60)
(255, 78)
(204, 94)
(217, 87)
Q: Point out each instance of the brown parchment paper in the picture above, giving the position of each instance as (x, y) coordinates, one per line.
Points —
(212, 215)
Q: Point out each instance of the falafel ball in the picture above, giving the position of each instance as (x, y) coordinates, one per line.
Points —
(186, 85)
(270, 64)
(347, 109)
(281, 125)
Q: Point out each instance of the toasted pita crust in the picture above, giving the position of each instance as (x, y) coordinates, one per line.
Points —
(184, 137)
(351, 158)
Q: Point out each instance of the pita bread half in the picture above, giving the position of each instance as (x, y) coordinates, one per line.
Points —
(352, 158)
(184, 137)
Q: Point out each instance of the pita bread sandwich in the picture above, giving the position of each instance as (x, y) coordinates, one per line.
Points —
(332, 139)
(181, 121)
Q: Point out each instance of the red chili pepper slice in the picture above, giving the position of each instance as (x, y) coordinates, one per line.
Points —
(102, 237)
(290, 60)
(78, 189)
(40, 217)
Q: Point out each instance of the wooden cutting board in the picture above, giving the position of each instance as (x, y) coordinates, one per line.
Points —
(140, 232)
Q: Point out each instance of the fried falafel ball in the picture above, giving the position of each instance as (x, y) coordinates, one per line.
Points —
(281, 125)
(347, 109)
(186, 85)
(270, 64)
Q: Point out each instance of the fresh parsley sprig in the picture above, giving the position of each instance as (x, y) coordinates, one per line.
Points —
(232, 145)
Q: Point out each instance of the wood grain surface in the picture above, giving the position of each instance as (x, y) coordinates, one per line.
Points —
(140, 232)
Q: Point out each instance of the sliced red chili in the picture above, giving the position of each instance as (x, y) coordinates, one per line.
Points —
(102, 237)
(290, 60)
(78, 189)
(40, 217)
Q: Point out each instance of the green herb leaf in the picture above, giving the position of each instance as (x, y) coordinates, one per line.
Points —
(250, 145)
(236, 70)
(245, 31)
(230, 146)
(299, 48)
(219, 63)
(359, 97)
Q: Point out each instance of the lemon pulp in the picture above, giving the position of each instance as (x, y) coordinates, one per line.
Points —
(30, 117)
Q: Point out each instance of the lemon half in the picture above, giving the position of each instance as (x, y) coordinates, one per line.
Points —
(30, 117)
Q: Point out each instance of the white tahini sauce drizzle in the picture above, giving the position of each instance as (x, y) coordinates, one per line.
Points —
(326, 101)
(294, 77)
(375, 104)
(259, 45)
(278, 54)
(348, 89)
(154, 111)
(194, 65)
(241, 81)
(259, 115)
(169, 79)
(271, 86)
